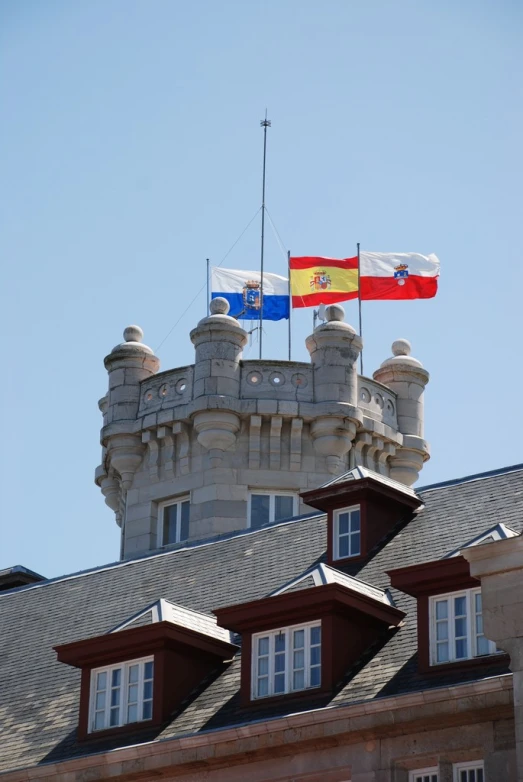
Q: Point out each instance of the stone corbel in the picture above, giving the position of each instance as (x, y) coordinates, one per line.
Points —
(166, 437)
(295, 451)
(255, 441)
(389, 449)
(153, 447)
(373, 452)
(181, 432)
(332, 437)
(363, 440)
(275, 442)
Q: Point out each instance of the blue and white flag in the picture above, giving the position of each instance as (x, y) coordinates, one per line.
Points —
(242, 291)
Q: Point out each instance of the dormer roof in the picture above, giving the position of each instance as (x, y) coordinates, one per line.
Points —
(362, 473)
(497, 532)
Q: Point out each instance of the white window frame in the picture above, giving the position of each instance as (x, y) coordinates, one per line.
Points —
(472, 765)
(124, 699)
(471, 636)
(336, 532)
(272, 493)
(271, 634)
(419, 774)
(167, 504)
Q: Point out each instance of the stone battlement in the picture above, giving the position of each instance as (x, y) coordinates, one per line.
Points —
(212, 434)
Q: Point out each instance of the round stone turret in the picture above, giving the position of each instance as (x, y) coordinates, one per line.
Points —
(218, 341)
(407, 377)
(334, 349)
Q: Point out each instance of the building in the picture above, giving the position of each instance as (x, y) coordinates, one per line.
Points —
(286, 606)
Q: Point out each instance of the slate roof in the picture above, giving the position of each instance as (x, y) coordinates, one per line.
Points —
(39, 696)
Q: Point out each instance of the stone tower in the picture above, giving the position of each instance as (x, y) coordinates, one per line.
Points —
(225, 444)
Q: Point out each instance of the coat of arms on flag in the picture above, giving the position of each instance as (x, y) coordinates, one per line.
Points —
(401, 272)
(320, 281)
(251, 295)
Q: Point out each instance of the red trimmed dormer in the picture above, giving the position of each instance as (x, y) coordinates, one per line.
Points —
(362, 507)
(134, 676)
(301, 640)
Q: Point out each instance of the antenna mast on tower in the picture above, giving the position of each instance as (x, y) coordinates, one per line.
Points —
(265, 123)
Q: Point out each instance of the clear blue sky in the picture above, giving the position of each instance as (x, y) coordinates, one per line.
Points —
(131, 150)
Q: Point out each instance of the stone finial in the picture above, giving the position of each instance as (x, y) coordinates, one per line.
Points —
(133, 334)
(401, 347)
(401, 350)
(219, 306)
(334, 312)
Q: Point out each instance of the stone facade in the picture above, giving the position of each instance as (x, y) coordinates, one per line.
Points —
(217, 429)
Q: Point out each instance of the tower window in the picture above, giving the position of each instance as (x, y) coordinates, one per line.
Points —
(347, 532)
(469, 772)
(121, 694)
(173, 520)
(266, 507)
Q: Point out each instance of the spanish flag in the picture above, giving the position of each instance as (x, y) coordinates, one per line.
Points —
(322, 280)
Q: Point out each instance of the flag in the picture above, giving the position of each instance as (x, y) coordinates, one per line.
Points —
(322, 280)
(243, 292)
(398, 275)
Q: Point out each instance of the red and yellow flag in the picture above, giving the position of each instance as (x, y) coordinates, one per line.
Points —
(317, 280)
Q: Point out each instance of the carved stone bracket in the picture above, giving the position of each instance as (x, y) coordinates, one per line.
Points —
(167, 458)
(153, 453)
(295, 450)
(181, 431)
(275, 442)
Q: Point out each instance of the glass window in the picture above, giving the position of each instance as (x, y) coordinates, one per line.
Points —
(266, 507)
(286, 660)
(424, 775)
(457, 628)
(121, 694)
(174, 521)
(347, 533)
(469, 772)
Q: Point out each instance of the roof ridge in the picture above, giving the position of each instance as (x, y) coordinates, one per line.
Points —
(474, 477)
(160, 553)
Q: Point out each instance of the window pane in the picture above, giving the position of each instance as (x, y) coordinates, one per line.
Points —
(298, 681)
(355, 521)
(315, 677)
(477, 602)
(460, 627)
(461, 648)
(442, 631)
(279, 643)
(263, 666)
(343, 547)
(147, 710)
(283, 507)
(315, 635)
(299, 659)
(263, 645)
(99, 720)
(355, 544)
(442, 653)
(299, 639)
(132, 695)
(132, 713)
(279, 663)
(100, 701)
(315, 655)
(170, 516)
(460, 606)
(483, 645)
(279, 683)
(115, 696)
(148, 670)
(442, 609)
(147, 690)
(133, 673)
(115, 717)
(263, 687)
(116, 677)
(479, 775)
(343, 523)
(463, 776)
(101, 681)
(260, 506)
(184, 526)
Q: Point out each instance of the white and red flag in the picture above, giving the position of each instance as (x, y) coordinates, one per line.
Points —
(398, 275)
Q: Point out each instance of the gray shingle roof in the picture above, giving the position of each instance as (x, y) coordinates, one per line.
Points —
(39, 696)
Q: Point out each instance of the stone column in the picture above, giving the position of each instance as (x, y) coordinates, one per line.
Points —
(334, 349)
(406, 376)
(499, 566)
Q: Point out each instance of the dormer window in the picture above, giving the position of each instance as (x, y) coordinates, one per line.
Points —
(266, 507)
(286, 660)
(173, 520)
(347, 532)
(121, 694)
(456, 627)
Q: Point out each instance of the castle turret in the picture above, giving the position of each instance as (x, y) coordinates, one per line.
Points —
(334, 349)
(406, 376)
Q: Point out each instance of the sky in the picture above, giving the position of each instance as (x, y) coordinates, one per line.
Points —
(131, 151)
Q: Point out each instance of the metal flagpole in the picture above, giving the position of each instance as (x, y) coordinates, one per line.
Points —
(265, 123)
(359, 308)
(290, 297)
(208, 293)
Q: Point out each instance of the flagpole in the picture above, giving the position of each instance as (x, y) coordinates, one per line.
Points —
(208, 293)
(265, 123)
(359, 308)
(290, 297)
